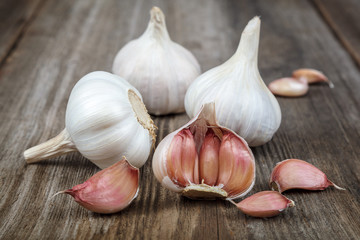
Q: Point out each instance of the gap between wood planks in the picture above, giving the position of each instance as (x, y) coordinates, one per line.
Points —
(333, 28)
(15, 42)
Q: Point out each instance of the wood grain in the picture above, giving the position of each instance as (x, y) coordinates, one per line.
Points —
(343, 18)
(15, 17)
(67, 39)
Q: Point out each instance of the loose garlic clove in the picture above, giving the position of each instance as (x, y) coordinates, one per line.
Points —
(159, 68)
(265, 204)
(289, 87)
(312, 76)
(105, 120)
(243, 101)
(226, 168)
(108, 191)
(298, 174)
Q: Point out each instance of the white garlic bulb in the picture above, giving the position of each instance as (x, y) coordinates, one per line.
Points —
(244, 104)
(205, 160)
(105, 120)
(159, 68)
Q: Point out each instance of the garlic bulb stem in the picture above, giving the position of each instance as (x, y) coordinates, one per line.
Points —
(56, 146)
(157, 25)
(249, 42)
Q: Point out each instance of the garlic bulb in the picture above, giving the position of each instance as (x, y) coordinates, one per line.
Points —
(205, 160)
(243, 102)
(159, 68)
(105, 120)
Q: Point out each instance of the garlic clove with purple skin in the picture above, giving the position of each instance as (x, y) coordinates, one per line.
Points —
(298, 174)
(220, 162)
(311, 76)
(289, 87)
(264, 204)
(108, 191)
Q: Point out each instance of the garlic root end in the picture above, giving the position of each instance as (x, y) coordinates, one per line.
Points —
(59, 145)
(336, 186)
(60, 192)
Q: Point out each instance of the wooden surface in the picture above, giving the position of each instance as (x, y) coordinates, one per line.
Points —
(46, 46)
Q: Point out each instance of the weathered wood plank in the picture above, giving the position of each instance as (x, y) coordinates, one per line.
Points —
(69, 39)
(15, 17)
(343, 18)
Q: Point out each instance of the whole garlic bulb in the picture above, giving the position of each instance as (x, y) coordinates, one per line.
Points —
(205, 160)
(105, 120)
(159, 68)
(243, 102)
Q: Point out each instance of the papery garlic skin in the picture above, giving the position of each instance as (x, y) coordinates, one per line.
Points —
(159, 68)
(298, 174)
(108, 191)
(105, 120)
(243, 102)
(265, 204)
(168, 161)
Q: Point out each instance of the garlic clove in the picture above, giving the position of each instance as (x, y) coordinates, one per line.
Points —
(105, 119)
(174, 163)
(298, 174)
(159, 68)
(202, 128)
(289, 87)
(241, 174)
(312, 76)
(182, 158)
(265, 204)
(226, 161)
(108, 191)
(243, 102)
(209, 159)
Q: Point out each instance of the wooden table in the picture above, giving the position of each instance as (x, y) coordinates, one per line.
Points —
(46, 46)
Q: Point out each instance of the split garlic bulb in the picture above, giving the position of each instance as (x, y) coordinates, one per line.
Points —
(159, 68)
(243, 102)
(105, 120)
(205, 160)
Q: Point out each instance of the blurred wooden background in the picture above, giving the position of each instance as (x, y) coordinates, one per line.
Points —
(46, 46)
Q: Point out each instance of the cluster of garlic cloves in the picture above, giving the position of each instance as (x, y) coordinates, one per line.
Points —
(243, 102)
(105, 120)
(108, 191)
(159, 68)
(298, 84)
(298, 174)
(205, 160)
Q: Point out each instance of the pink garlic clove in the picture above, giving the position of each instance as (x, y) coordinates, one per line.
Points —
(183, 158)
(209, 158)
(289, 87)
(298, 174)
(108, 191)
(236, 170)
(312, 76)
(264, 204)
